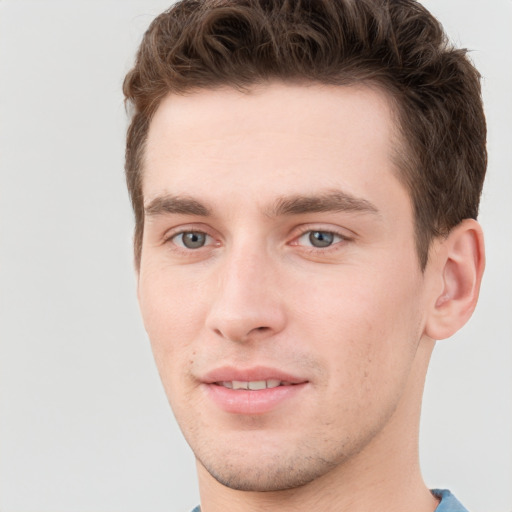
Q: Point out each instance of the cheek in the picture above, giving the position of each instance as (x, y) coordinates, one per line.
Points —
(173, 317)
(170, 302)
(366, 329)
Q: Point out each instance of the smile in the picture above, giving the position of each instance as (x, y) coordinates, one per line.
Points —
(256, 390)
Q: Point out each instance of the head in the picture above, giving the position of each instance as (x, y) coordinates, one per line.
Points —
(304, 177)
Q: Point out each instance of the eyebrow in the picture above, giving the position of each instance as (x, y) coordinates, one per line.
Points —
(331, 201)
(176, 204)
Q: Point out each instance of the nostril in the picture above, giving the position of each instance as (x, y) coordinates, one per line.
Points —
(235, 335)
(261, 329)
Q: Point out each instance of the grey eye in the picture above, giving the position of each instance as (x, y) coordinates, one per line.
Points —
(321, 238)
(191, 239)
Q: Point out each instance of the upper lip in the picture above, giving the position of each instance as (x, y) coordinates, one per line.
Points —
(250, 374)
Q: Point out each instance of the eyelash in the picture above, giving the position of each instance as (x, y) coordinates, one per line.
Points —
(174, 235)
(339, 238)
(308, 230)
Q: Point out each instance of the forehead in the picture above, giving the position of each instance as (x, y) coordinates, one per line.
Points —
(280, 138)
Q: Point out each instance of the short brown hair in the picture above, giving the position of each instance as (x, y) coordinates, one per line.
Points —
(395, 44)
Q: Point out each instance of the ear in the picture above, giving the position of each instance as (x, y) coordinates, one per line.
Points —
(458, 266)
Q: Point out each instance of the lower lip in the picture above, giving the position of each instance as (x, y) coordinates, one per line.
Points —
(252, 401)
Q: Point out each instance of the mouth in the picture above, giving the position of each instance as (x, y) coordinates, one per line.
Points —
(253, 391)
(253, 385)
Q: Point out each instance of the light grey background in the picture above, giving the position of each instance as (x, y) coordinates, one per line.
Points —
(84, 424)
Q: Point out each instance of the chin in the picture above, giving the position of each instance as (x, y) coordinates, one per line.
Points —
(277, 473)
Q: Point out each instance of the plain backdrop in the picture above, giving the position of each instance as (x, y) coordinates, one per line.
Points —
(84, 424)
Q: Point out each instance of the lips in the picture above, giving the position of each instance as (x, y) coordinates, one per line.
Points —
(251, 375)
(255, 390)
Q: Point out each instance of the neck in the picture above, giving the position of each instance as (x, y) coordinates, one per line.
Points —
(385, 475)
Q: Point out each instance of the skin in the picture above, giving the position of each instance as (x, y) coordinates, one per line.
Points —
(354, 320)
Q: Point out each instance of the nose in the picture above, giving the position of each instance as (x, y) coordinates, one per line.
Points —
(248, 301)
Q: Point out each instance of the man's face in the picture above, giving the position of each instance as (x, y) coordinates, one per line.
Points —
(278, 255)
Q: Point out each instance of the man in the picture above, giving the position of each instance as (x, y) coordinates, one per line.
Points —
(305, 177)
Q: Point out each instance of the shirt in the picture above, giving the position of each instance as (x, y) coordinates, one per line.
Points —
(449, 503)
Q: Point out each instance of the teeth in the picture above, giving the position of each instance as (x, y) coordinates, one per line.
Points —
(257, 384)
(253, 385)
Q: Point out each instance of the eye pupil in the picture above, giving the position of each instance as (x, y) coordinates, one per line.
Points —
(193, 240)
(321, 238)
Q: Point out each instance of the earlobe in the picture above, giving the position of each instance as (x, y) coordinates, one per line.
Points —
(460, 266)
